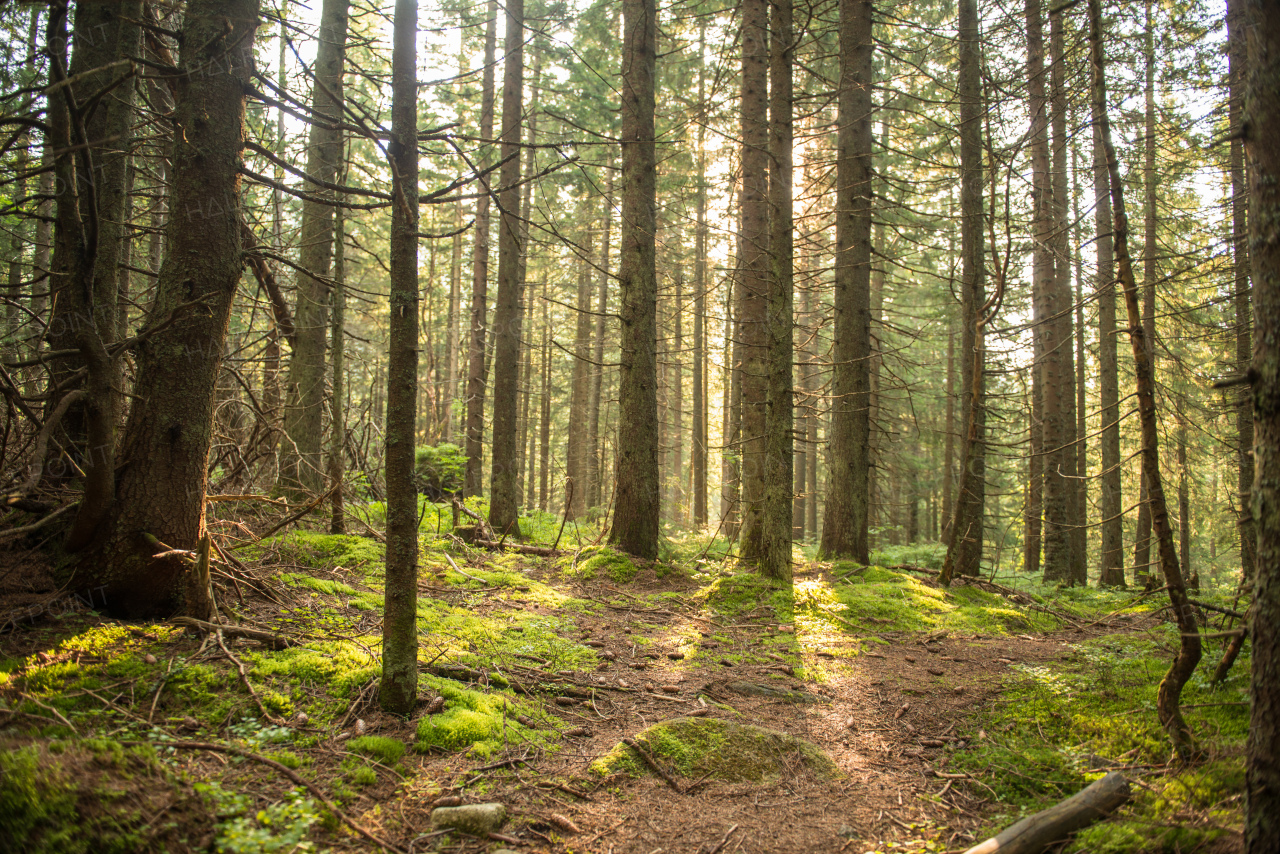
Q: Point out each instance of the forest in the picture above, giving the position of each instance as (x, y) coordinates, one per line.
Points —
(588, 426)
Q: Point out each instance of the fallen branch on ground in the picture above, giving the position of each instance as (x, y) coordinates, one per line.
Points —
(1036, 833)
(272, 640)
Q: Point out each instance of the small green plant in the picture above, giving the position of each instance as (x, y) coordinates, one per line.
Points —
(388, 751)
(281, 827)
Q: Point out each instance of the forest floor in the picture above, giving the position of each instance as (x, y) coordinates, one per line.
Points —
(943, 715)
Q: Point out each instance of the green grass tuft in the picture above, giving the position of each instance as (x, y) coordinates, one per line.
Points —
(388, 751)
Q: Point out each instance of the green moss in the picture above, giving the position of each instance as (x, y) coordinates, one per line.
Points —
(312, 548)
(362, 775)
(388, 751)
(287, 758)
(477, 722)
(595, 561)
(735, 593)
(698, 747)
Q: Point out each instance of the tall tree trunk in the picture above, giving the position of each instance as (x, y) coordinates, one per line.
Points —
(1112, 504)
(159, 495)
(1184, 509)
(528, 438)
(1236, 50)
(595, 462)
(504, 500)
(636, 506)
(964, 549)
(1142, 545)
(676, 509)
(731, 429)
(753, 273)
(300, 466)
(1261, 124)
(579, 442)
(844, 528)
(453, 332)
(398, 691)
(698, 450)
(776, 534)
(544, 425)
(949, 435)
(477, 369)
(1184, 664)
(338, 407)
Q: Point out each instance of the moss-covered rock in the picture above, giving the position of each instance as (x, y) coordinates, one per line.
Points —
(721, 750)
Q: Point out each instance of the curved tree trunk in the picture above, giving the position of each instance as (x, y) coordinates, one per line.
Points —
(159, 496)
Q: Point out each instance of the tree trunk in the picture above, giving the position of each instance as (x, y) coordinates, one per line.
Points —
(159, 494)
(1261, 124)
(1236, 49)
(453, 332)
(595, 463)
(753, 274)
(1167, 695)
(477, 369)
(949, 434)
(338, 407)
(1112, 506)
(698, 450)
(676, 508)
(504, 500)
(844, 527)
(544, 421)
(398, 691)
(636, 505)
(300, 465)
(776, 534)
(964, 549)
(579, 442)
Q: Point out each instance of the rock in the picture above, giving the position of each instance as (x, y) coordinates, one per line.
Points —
(697, 747)
(473, 819)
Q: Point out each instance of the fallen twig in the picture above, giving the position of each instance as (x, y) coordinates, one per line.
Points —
(653, 764)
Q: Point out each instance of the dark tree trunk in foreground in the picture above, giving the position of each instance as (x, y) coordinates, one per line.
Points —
(398, 692)
(300, 462)
(1184, 664)
(1236, 50)
(636, 507)
(753, 273)
(964, 549)
(776, 533)
(844, 525)
(1262, 124)
(504, 481)
(477, 369)
(160, 491)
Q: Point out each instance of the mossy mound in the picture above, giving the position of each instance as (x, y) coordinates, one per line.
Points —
(721, 750)
(595, 561)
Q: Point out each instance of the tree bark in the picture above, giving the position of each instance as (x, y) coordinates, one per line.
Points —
(637, 497)
(1189, 651)
(964, 549)
(398, 690)
(477, 369)
(338, 407)
(580, 400)
(300, 464)
(159, 493)
(1261, 125)
(844, 526)
(595, 462)
(776, 533)
(1112, 507)
(698, 449)
(504, 499)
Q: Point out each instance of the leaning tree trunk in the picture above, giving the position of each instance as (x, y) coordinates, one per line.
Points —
(1262, 129)
(301, 467)
(964, 549)
(844, 525)
(1184, 664)
(637, 497)
(504, 480)
(398, 691)
(159, 495)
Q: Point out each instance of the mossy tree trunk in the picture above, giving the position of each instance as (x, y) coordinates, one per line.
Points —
(159, 496)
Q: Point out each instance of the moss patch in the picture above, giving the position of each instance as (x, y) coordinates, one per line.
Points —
(698, 747)
(596, 561)
(474, 721)
(388, 751)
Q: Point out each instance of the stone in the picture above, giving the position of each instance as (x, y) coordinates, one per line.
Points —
(755, 689)
(473, 819)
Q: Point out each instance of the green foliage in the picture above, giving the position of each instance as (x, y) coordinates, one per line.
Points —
(1055, 728)
(439, 470)
(312, 548)
(281, 827)
(928, 555)
(388, 751)
(733, 593)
